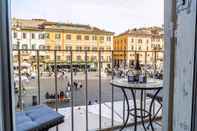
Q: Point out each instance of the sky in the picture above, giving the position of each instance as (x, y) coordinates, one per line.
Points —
(113, 15)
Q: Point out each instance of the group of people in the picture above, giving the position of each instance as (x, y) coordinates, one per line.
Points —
(61, 95)
(95, 102)
(77, 84)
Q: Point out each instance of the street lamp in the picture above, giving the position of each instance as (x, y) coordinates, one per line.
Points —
(18, 28)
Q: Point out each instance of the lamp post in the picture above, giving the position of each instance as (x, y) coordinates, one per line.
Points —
(18, 28)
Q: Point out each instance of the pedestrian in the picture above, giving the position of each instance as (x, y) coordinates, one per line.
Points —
(68, 88)
(80, 84)
(61, 95)
(76, 84)
(67, 94)
(68, 84)
(66, 78)
(89, 103)
(47, 95)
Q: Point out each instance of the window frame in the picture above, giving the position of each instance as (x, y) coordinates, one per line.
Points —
(68, 37)
(7, 111)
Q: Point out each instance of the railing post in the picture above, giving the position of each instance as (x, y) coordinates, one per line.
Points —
(72, 90)
(86, 90)
(112, 115)
(38, 72)
(20, 82)
(99, 90)
(124, 97)
(146, 77)
(155, 61)
(56, 95)
(55, 69)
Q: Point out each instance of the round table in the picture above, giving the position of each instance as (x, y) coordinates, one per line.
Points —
(151, 85)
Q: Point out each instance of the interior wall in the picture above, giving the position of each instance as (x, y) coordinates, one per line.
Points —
(179, 64)
(184, 66)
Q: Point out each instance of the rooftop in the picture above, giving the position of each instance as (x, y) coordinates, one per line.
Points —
(145, 31)
(44, 25)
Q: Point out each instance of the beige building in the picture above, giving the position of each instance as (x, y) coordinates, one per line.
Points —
(147, 42)
(45, 35)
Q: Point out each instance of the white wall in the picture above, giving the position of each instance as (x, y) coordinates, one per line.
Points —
(184, 65)
(181, 65)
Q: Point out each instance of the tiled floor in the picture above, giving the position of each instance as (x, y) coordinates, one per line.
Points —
(93, 118)
(140, 128)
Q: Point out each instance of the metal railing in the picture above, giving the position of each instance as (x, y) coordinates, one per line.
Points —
(113, 63)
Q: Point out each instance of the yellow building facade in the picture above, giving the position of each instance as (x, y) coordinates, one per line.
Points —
(147, 42)
(63, 37)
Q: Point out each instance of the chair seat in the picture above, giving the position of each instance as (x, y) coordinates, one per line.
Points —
(37, 118)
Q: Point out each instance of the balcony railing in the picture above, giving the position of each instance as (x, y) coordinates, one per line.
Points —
(65, 62)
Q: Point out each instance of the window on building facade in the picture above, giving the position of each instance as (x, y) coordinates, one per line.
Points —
(94, 48)
(101, 38)
(34, 58)
(58, 58)
(132, 47)
(47, 36)
(78, 58)
(42, 57)
(58, 47)
(86, 48)
(93, 58)
(86, 37)
(109, 38)
(15, 46)
(78, 37)
(57, 36)
(108, 58)
(41, 47)
(132, 40)
(15, 34)
(94, 37)
(78, 48)
(102, 58)
(24, 35)
(139, 40)
(139, 48)
(41, 36)
(68, 47)
(68, 57)
(101, 48)
(88, 58)
(24, 46)
(47, 57)
(48, 47)
(117, 42)
(68, 37)
(108, 48)
(32, 36)
(33, 46)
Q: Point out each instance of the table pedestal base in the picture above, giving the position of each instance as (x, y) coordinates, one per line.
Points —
(143, 113)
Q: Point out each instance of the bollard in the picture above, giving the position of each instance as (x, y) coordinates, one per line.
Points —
(34, 100)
